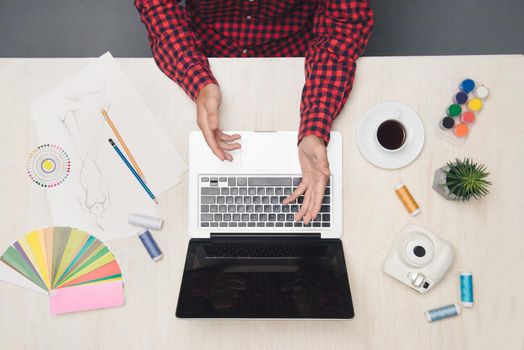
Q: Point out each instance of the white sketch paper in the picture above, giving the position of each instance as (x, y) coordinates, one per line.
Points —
(101, 191)
(10, 275)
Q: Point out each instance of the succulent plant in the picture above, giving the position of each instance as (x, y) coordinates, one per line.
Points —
(467, 179)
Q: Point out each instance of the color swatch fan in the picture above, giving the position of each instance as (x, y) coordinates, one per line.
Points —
(77, 270)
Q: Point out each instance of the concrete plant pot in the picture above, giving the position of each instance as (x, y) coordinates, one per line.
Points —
(439, 184)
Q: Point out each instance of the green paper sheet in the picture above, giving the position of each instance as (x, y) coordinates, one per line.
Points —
(14, 259)
(61, 234)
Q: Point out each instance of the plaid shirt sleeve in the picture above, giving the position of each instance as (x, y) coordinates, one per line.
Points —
(341, 32)
(174, 46)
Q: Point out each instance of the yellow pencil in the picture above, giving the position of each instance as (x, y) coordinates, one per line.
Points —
(122, 143)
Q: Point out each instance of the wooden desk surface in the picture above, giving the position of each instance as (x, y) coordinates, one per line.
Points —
(264, 94)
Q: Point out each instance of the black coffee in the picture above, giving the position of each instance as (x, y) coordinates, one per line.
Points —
(391, 134)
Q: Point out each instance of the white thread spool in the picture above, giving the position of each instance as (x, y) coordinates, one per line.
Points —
(145, 221)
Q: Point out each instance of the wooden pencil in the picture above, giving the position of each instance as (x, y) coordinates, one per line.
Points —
(122, 143)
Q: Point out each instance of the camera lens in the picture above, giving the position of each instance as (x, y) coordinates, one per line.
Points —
(419, 251)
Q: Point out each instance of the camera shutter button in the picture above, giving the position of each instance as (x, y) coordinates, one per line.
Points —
(417, 279)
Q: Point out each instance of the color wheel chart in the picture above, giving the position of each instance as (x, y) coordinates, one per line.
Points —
(48, 165)
(77, 270)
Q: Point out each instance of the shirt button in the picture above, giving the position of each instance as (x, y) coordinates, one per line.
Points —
(244, 51)
(248, 17)
(250, 0)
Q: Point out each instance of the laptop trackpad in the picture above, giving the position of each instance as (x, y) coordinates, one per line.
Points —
(262, 152)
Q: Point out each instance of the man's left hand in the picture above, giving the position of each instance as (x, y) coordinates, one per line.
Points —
(312, 154)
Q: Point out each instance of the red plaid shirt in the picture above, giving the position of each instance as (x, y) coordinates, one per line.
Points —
(331, 34)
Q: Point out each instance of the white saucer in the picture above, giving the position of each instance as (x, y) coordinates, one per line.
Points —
(369, 146)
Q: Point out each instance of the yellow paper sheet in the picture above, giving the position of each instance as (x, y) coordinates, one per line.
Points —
(48, 237)
(36, 242)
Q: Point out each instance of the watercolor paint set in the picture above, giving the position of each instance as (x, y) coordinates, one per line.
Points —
(461, 115)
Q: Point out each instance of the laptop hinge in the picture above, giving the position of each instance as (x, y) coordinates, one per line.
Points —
(265, 234)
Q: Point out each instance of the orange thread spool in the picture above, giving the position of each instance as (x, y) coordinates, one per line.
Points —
(407, 199)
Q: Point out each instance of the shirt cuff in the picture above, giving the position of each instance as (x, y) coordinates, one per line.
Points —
(196, 78)
(316, 124)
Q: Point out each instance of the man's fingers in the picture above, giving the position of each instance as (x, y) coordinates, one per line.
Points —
(313, 198)
(218, 151)
(303, 207)
(315, 168)
(320, 190)
(212, 143)
(229, 146)
(312, 203)
(227, 138)
(296, 193)
(316, 203)
(207, 122)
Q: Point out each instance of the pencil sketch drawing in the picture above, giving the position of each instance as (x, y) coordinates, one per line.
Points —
(84, 128)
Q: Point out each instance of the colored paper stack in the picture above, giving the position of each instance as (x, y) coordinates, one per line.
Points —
(77, 270)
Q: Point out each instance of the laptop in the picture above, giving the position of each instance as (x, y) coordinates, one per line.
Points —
(247, 257)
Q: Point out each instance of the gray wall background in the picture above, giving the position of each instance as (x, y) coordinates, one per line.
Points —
(87, 28)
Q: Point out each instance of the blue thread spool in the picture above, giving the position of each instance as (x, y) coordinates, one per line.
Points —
(149, 242)
(442, 312)
(466, 288)
(467, 85)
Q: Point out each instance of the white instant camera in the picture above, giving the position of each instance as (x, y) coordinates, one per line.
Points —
(418, 258)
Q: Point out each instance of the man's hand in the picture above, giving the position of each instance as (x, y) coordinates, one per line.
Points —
(208, 102)
(312, 154)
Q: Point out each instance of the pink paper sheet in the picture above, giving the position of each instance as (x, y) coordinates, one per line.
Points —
(86, 297)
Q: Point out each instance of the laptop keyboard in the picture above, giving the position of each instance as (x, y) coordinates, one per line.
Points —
(231, 250)
(255, 201)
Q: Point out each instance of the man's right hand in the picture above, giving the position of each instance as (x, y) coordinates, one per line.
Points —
(208, 103)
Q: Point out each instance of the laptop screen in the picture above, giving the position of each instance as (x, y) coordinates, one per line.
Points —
(265, 280)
